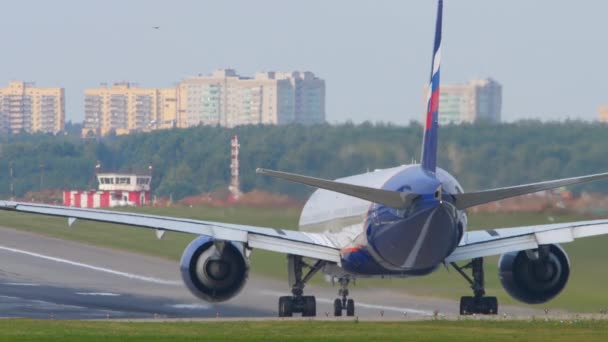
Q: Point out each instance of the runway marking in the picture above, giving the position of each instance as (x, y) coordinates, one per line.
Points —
(179, 283)
(10, 297)
(103, 294)
(191, 306)
(40, 302)
(362, 305)
(95, 268)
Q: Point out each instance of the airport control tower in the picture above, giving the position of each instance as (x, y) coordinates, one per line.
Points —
(114, 190)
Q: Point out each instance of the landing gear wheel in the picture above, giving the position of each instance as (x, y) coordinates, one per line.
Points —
(344, 303)
(350, 307)
(338, 307)
(285, 306)
(489, 305)
(297, 302)
(482, 305)
(466, 305)
(310, 306)
(479, 303)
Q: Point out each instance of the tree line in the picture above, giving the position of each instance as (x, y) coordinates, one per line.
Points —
(194, 160)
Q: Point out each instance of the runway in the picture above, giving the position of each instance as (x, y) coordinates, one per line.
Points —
(44, 277)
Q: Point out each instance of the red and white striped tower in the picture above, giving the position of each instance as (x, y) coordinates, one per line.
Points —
(235, 187)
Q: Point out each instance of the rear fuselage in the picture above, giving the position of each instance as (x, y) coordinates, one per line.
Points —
(376, 240)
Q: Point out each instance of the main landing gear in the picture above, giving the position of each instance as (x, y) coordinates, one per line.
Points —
(343, 303)
(297, 302)
(478, 304)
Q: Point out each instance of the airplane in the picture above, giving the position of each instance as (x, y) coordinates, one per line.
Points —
(405, 221)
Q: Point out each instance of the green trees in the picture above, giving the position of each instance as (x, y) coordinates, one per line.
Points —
(194, 160)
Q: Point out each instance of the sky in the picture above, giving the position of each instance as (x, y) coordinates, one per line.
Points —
(550, 56)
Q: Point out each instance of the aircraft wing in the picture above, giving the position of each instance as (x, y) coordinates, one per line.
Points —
(309, 245)
(482, 243)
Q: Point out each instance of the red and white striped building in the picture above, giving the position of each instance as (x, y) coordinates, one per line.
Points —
(115, 189)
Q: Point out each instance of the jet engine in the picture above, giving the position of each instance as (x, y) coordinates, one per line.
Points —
(214, 271)
(534, 276)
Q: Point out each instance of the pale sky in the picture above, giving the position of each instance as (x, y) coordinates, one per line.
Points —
(375, 56)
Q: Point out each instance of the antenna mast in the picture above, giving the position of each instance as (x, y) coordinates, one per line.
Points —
(235, 186)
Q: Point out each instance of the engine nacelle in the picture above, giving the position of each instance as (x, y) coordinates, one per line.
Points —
(534, 280)
(214, 271)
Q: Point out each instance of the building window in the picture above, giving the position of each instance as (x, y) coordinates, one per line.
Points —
(123, 180)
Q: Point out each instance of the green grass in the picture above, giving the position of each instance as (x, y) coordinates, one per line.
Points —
(585, 291)
(466, 330)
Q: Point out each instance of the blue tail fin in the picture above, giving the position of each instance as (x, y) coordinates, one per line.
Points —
(429, 142)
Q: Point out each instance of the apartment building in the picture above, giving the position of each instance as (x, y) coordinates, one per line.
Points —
(222, 98)
(309, 96)
(124, 108)
(25, 107)
(228, 99)
(478, 100)
(603, 114)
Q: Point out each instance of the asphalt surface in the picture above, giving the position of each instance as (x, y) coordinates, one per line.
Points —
(44, 277)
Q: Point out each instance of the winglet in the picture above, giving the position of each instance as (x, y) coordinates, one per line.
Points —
(429, 141)
(392, 199)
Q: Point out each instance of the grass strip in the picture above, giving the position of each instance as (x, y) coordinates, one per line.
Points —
(439, 330)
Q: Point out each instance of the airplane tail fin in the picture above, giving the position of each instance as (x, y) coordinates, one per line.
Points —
(429, 142)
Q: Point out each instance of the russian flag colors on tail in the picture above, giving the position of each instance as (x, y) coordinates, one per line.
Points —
(429, 143)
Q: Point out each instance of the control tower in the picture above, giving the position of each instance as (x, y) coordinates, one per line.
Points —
(114, 190)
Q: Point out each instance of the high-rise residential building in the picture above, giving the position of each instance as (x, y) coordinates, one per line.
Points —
(309, 93)
(227, 99)
(478, 100)
(25, 107)
(124, 108)
(203, 99)
(223, 98)
(603, 113)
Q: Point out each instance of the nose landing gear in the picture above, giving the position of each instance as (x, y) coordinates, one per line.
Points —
(344, 303)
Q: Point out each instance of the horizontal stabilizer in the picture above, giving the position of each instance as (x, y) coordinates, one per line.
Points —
(471, 199)
(392, 199)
